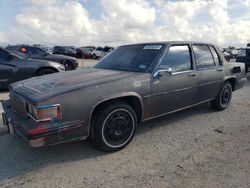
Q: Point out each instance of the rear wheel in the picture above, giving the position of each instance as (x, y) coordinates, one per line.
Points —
(94, 56)
(45, 72)
(114, 127)
(224, 97)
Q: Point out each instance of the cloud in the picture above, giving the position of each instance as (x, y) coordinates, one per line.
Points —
(54, 22)
(3, 38)
(128, 21)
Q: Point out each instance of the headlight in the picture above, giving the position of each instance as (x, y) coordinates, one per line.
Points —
(46, 112)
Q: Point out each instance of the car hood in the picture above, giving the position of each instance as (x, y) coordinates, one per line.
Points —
(38, 62)
(41, 88)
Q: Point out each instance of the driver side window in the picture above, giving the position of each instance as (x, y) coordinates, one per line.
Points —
(178, 59)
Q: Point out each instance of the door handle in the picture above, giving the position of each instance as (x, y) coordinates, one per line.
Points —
(219, 70)
(192, 74)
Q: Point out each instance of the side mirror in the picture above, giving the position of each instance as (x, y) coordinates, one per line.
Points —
(162, 72)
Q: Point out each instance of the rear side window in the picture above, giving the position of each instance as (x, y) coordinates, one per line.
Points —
(177, 58)
(203, 56)
(215, 55)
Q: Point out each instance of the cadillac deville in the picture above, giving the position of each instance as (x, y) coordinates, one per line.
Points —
(133, 84)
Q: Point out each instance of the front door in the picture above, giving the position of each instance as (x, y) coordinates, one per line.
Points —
(176, 88)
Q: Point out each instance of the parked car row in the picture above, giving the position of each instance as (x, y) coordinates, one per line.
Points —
(18, 62)
(83, 52)
(34, 52)
(14, 68)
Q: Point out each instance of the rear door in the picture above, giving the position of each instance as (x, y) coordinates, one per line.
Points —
(209, 71)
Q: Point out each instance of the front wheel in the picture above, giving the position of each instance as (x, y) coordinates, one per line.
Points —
(114, 127)
(224, 97)
(67, 64)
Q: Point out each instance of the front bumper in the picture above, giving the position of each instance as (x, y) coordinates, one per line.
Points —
(45, 134)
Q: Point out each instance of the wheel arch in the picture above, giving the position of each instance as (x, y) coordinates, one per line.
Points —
(41, 68)
(232, 81)
(134, 100)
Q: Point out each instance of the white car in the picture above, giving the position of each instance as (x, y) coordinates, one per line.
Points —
(98, 53)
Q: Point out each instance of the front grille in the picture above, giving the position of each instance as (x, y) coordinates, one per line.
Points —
(18, 104)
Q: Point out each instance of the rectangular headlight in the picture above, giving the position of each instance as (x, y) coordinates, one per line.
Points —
(46, 112)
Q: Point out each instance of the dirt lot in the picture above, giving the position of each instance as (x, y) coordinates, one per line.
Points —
(193, 148)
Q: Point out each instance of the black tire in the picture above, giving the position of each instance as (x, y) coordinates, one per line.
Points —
(114, 127)
(67, 64)
(94, 56)
(223, 99)
(45, 71)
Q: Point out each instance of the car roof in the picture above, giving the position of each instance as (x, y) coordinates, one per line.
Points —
(170, 43)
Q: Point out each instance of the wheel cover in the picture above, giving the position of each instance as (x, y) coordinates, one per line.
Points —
(225, 96)
(67, 65)
(118, 128)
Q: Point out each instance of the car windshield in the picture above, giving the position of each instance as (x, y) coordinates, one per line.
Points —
(136, 58)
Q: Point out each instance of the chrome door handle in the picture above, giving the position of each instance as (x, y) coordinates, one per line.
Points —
(219, 70)
(192, 74)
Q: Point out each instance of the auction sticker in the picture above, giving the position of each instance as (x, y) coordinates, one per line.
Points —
(152, 47)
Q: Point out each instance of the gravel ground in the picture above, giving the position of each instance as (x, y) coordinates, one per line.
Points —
(197, 147)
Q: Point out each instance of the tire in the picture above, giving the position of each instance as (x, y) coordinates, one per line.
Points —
(45, 71)
(114, 127)
(67, 64)
(94, 56)
(223, 99)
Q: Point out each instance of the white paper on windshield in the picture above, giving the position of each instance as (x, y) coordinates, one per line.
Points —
(152, 47)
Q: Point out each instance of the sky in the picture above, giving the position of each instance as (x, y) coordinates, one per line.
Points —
(116, 22)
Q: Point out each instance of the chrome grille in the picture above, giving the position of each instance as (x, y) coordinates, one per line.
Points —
(18, 104)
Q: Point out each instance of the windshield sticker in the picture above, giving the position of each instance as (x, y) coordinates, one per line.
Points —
(143, 66)
(152, 47)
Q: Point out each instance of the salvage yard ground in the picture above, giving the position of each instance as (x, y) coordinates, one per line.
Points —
(197, 147)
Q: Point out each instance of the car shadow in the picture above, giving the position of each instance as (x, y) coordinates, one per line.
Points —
(18, 159)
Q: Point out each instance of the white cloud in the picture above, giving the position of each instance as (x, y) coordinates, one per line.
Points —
(54, 22)
(127, 21)
(3, 38)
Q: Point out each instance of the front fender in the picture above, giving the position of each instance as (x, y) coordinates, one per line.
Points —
(112, 97)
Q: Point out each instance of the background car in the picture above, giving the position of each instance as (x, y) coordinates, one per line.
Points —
(87, 53)
(83, 53)
(14, 68)
(97, 53)
(33, 52)
(226, 55)
(244, 57)
(64, 50)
